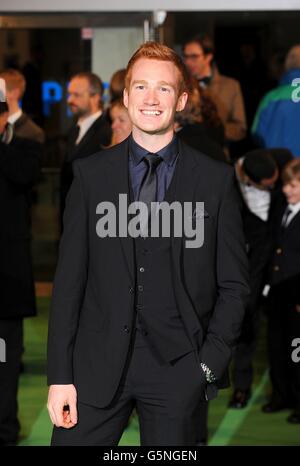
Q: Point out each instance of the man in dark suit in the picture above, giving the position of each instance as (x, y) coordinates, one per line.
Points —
(258, 177)
(91, 132)
(19, 169)
(257, 174)
(23, 125)
(144, 321)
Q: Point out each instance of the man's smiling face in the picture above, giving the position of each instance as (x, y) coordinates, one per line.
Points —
(152, 98)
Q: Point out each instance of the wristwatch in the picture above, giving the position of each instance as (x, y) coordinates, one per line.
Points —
(209, 375)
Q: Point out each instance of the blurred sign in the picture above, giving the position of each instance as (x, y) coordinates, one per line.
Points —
(86, 33)
(53, 92)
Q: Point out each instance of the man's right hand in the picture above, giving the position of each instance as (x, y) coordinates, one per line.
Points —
(62, 405)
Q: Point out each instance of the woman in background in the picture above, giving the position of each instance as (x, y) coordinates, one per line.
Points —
(199, 125)
(121, 124)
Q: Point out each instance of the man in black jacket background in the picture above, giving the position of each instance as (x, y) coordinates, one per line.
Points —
(19, 170)
(91, 131)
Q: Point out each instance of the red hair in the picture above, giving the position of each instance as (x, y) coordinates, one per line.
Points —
(157, 51)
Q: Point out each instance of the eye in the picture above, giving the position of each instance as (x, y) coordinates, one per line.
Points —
(140, 87)
(164, 89)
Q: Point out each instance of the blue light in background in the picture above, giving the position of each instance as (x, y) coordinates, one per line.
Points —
(52, 93)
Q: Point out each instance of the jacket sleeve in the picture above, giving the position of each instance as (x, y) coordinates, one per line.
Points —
(261, 126)
(232, 282)
(69, 285)
(236, 126)
(20, 161)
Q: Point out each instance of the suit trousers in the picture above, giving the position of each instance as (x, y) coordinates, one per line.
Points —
(168, 398)
(11, 331)
(243, 355)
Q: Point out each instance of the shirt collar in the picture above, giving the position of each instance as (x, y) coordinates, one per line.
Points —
(86, 123)
(14, 117)
(168, 153)
(294, 208)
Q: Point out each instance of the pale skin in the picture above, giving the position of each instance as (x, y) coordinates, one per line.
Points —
(121, 124)
(152, 100)
(292, 193)
(13, 96)
(198, 64)
(80, 100)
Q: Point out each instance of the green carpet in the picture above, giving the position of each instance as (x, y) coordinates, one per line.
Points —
(226, 427)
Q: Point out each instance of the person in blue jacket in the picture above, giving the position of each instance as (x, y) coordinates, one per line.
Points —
(276, 123)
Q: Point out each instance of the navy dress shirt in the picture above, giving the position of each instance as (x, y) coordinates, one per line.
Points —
(164, 171)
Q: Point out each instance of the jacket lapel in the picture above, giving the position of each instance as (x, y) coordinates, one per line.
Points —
(294, 221)
(186, 182)
(88, 135)
(20, 121)
(185, 185)
(118, 177)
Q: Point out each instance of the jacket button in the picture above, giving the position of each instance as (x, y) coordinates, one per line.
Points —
(142, 269)
(140, 288)
(276, 268)
(126, 328)
(278, 251)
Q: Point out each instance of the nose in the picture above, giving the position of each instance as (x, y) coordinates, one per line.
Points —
(70, 99)
(114, 125)
(151, 97)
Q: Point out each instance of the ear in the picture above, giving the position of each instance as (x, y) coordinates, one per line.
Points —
(17, 94)
(125, 97)
(209, 58)
(181, 102)
(97, 99)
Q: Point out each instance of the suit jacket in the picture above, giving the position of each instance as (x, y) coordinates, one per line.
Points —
(227, 95)
(285, 264)
(19, 170)
(25, 128)
(92, 312)
(258, 236)
(97, 137)
(257, 232)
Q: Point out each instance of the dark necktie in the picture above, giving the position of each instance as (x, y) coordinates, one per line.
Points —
(76, 133)
(286, 217)
(204, 82)
(148, 191)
